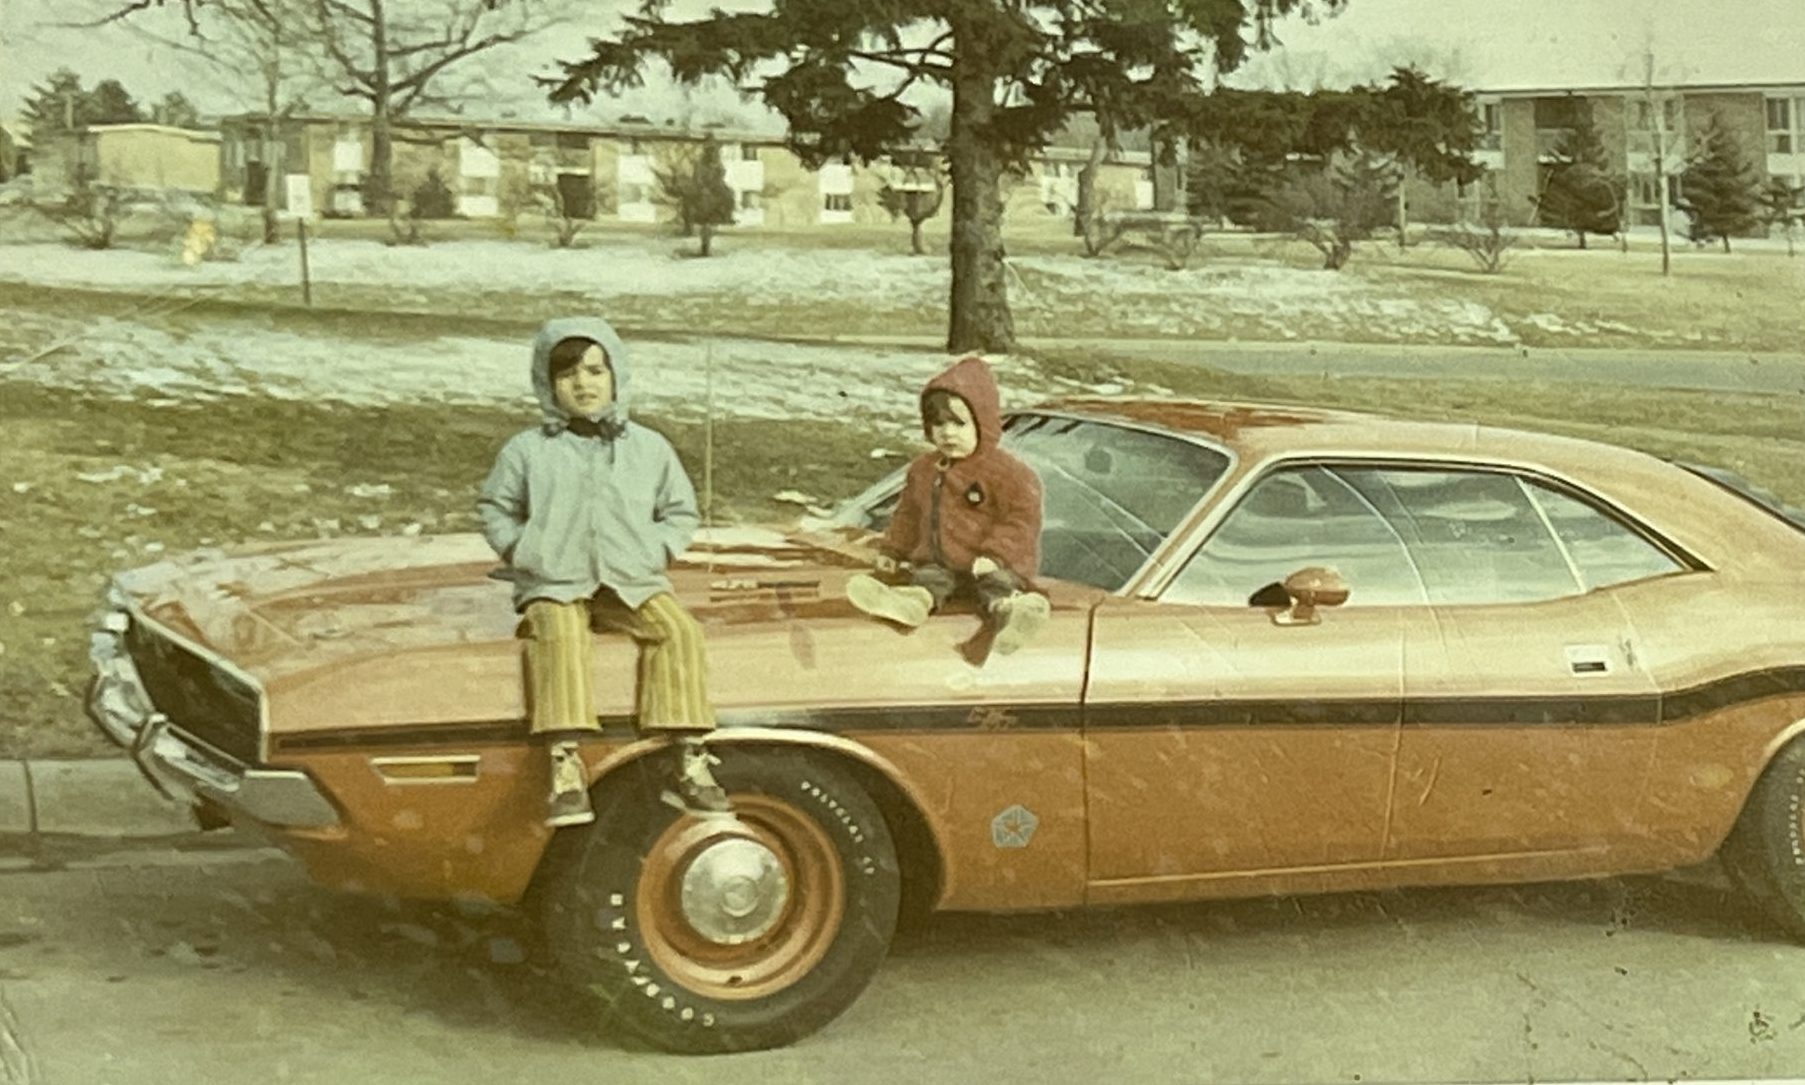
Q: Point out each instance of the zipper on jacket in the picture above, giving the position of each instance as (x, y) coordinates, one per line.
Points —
(934, 517)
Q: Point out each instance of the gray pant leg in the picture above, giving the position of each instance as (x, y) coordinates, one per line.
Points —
(999, 584)
(940, 582)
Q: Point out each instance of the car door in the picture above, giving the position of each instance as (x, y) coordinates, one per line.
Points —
(1222, 743)
(1528, 723)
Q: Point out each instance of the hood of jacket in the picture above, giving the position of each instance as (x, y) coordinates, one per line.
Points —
(580, 327)
(971, 380)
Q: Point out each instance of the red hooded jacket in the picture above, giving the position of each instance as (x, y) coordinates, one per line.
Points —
(987, 504)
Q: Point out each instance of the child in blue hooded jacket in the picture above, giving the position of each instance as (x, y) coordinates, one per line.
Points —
(587, 510)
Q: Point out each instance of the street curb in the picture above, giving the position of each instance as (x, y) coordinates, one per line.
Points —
(104, 797)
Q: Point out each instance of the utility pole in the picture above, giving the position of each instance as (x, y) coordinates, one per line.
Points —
(1657, 108)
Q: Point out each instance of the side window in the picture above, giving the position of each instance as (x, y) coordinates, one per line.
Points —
(1476, 536)
(1604, 550)
(1292, 519)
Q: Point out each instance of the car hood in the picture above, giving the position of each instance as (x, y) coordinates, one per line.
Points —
(279, 609)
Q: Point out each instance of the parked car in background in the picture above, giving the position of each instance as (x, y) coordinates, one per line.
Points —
(1291, 651)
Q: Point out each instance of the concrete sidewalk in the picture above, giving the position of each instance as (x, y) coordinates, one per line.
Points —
(99, 797)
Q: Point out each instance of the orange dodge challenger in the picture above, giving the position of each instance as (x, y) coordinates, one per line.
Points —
(1291, 651)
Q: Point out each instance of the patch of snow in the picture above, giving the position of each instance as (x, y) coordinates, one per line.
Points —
(794, 497)
(369, 490)
(1140, 298)
(752, 379)
(145, 475)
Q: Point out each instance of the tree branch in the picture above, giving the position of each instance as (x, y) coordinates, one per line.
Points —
(328, 36)
(133, 7)
(415, 80)
(346, 10)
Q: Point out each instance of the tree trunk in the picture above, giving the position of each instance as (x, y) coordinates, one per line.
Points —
(272, 228)
(1086, 210)
(1403, 211)
(1726, 242)
(978, 313)
(915, 242)
(380, 192)
(707, 239)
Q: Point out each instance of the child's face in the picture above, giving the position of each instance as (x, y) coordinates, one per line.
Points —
(588, 386)
(953, 432)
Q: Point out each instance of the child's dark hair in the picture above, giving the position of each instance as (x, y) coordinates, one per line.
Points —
(566, 353)
(937, 406)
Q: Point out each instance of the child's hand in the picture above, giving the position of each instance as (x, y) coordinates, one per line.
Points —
(884, 563)
(983, 566)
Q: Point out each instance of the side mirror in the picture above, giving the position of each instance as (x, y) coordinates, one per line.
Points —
(1316, 586)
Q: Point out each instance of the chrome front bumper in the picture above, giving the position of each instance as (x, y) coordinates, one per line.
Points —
(179, 767)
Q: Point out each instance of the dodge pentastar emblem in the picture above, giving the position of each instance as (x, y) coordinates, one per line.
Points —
(1014, 827)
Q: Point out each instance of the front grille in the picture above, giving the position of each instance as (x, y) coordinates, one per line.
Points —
(199, 698)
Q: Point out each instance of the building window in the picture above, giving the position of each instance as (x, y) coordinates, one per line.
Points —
(1783, 124)
(748, 153)
(1491, 126)
(835, 201)
(752, 199)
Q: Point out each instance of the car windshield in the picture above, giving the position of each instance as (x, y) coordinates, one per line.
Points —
(1761, 497)
(1113, 493)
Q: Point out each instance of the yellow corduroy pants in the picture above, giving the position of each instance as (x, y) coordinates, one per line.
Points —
(673, 672)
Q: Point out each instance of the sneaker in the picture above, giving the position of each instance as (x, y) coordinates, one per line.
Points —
(1018, 617)
(569, 800)
(907, 605)
(697, 791)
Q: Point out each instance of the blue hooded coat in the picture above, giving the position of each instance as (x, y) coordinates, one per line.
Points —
(571, 513)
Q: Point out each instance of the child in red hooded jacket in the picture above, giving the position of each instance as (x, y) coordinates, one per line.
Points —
(968, 520)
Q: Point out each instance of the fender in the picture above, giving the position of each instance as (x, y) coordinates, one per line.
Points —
(619, 757)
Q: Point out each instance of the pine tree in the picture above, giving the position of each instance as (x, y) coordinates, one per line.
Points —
(1580, 193)
(1016, 72)
(714, 199)
(1721, 192)
(109, 103)
(175, 109)
(56, 105)
(695, 189)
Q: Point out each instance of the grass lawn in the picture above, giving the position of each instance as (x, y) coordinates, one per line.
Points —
(163, 479)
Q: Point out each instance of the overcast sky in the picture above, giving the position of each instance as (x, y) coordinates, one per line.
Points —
(1497, 44)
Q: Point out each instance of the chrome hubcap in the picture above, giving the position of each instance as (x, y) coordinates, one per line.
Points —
(734, 891)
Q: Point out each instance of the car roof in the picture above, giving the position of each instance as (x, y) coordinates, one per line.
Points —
(1260, 431)
(1699, 516)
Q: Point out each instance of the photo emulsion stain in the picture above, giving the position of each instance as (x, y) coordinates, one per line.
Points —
(1043, 541)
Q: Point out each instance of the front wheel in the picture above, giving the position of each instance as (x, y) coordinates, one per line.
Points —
(710, 935)
(1765, 854)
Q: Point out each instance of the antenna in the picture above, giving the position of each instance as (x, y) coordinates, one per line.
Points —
(708, 447)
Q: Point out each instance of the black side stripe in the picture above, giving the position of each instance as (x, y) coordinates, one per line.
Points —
(1735, 690)
(1606, 710)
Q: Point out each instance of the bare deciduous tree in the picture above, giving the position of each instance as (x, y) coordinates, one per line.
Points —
(250, 48)
(1489, 241)
(391, 54)
(915, 192)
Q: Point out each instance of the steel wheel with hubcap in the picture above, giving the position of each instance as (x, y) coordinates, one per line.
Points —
(725, 934)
